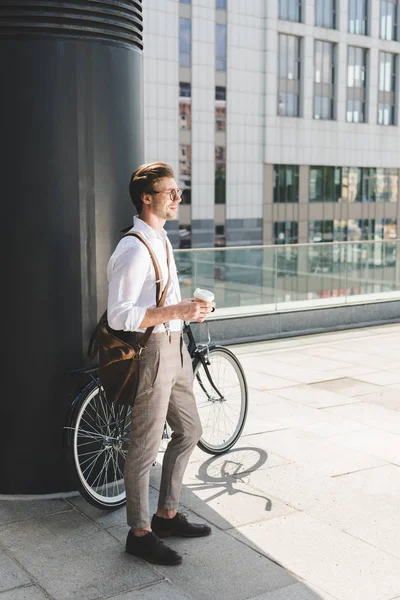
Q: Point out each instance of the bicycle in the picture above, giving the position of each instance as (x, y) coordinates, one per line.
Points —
(97, 432)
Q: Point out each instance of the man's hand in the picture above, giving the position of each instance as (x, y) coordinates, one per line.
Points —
(196, 311)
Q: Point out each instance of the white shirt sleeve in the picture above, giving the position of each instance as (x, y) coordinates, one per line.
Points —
(127, 274)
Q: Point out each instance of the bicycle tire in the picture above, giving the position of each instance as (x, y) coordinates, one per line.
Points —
(213, 410)
(97, 426)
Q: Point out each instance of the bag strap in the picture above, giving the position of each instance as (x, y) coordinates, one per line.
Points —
(160, 295)
(160, 299)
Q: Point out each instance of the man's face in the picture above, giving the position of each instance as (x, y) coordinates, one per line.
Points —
(165, 199)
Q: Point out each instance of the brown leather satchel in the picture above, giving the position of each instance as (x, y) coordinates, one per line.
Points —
(118, 358)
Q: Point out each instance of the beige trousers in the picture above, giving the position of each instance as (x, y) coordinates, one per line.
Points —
(165, 393)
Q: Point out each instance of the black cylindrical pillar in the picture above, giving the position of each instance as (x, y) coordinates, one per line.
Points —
(72, 132)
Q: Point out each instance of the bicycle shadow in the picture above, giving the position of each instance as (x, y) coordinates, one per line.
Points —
(231, 468)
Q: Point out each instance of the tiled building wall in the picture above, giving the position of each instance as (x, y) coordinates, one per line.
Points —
(308, 141)
(161, 86)
(245, 121)
(203, 122)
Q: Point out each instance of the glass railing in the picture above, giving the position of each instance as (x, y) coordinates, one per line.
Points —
(292, 277)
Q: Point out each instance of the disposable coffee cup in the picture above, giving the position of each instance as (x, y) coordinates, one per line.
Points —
(204, 295)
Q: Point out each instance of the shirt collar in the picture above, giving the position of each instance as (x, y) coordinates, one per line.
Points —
(147, 230)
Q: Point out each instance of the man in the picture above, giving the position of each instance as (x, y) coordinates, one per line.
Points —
(166, 380)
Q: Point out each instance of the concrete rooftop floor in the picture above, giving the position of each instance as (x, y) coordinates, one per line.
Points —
(306, 506)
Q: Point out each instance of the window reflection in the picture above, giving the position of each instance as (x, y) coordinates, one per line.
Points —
(325, 13)
(185, 42)
(387, 88)
(325, 184)
(358, 16)
(286, 183)
(220, 47)
(289, 76)
(220, 175)
(185, 106)
(356, 84)
(324, 80)
(185, 172)
(290, 10)
(389, 17)
(220, 108)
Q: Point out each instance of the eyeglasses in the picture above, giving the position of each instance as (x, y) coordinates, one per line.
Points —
(172, 193)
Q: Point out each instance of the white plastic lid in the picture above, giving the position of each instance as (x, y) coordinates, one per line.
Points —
(203, 295)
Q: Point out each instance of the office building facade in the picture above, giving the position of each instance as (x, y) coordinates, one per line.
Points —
(280, 118)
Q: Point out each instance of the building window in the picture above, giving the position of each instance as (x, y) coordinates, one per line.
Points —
(220, 240)
(358, 184)
(185, 236)
(220, 174)
(289, 76)
(220, 108)
(387, 88)
(325, 13)
(286, 184)
(389, 15)
(286, 232)
(320, 231)
(386, 186)
(358, 16)
(220, 47)
(185, 42)
(185, 106)
(290, 10)
(325, 184)
(356, 84)
(220, 4)
(185, 172)
(324, 80)
(185, 1)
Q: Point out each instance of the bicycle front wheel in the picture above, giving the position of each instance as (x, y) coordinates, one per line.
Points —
(98, 443)
(221, 395)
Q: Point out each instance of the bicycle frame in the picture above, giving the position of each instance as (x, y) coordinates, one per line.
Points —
(202, 353)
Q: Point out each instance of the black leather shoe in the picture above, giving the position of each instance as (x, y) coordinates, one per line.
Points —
(179, 526)
(150, 548)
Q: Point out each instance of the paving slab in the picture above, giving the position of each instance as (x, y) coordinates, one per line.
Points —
(159, 591)
(114, 518)
(382, 377)
(387, 396)
(347, 386)
(383, 480)
(16, 510)
(217, 490)
(298, 591)
(351, 355)
(72, 558)
(369, 414)
(382, 444)
(11, 574)
(323, 456)
(267, 365)
(290, 414)
(25, 593)
(298, 358)
(313, 396)
(267, 382)
(346, 567)
(218, 567)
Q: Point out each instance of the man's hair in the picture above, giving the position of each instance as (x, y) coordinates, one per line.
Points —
(143, 180)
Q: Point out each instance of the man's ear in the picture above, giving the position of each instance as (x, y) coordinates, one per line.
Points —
(146, 198)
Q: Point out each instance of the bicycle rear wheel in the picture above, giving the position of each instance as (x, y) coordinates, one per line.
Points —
(98, 442)
(221, 394)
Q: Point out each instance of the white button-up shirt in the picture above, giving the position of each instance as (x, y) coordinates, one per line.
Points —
(132, 280)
